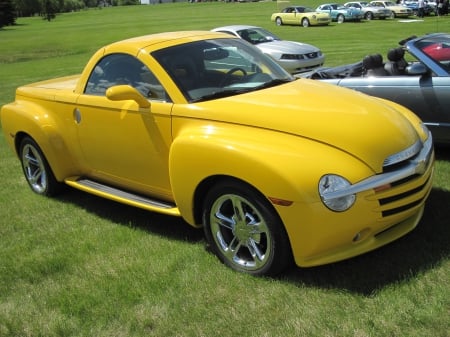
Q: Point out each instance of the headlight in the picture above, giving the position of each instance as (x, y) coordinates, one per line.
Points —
(331, 183)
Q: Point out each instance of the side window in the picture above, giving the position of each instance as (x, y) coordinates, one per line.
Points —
(117, 69)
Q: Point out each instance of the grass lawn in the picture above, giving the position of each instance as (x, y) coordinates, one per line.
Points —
(83, 266)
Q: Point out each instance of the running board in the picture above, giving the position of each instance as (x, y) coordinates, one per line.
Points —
(124, 197)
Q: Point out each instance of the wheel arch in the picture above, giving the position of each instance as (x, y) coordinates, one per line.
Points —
(205, 185)
(195, 164)
(25, 119)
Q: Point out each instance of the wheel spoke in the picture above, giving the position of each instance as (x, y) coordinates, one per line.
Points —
(224, 221)
(34, 176)
(256, 253)
(239, 213)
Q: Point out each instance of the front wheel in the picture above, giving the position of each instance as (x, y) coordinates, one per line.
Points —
(244, 231)
(340, 18)
(369, 16)
(36, 169)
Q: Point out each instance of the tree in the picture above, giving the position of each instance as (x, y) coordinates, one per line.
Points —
(7, 13)
(50, 8)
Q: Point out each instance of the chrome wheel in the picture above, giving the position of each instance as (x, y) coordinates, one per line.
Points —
(243, 232)
(340, 18)
(278, 21)
(305, 22)
(36, 169)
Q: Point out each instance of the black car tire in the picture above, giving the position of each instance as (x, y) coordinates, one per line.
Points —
(36, 169)
(244, 231)
(368, 16)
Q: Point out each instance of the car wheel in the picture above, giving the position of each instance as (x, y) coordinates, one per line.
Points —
(340, 18)
(278, 21)
(392, 15)
(36, 169)
(369, 16)
(244, 231)
(305, 22)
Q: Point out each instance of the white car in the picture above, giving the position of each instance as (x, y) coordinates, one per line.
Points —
(294, 57)
(397, 10)
(370, 12)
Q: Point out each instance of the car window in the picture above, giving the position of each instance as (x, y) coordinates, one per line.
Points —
(118, 69)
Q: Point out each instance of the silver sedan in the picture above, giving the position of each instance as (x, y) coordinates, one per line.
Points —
(294, 57)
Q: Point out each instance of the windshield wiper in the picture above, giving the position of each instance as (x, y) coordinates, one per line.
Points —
(221, 94)
(274, 83)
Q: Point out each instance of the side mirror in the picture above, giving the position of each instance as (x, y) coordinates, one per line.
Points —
(416, 69)
(125, 93)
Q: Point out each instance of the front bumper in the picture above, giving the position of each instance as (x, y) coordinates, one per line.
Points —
(379, 216)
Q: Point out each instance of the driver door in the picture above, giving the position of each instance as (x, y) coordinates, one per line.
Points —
(124, 145)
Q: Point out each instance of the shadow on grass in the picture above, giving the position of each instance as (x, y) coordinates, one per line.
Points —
(424, 248)
(169, 226)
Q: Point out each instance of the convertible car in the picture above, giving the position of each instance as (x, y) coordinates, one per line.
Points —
(300, 15)
(340, 13)
(204, 126)
(294, 57)
(398, 11)
(422, 84)
(370, 12)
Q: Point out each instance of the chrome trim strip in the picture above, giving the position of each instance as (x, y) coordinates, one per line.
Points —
(417, 165)
(403, 155)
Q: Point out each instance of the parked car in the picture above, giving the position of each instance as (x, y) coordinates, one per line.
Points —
(204, 126)
(300, 15)
(428, 9)
(421, 84)
(370, 12)
(294, 57)
(398, 11)
(340, 13)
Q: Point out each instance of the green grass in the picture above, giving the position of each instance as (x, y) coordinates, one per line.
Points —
(83, 266)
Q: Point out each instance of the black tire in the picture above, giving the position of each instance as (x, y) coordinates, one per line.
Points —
(368, 16)
(244, 231)
(36, 169)
(278, 21)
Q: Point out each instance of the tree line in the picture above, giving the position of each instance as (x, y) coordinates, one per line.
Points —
(10, 10)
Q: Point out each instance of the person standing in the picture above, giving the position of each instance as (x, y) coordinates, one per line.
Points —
(421, 8)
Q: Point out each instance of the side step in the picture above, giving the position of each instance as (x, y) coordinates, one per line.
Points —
(124, 197)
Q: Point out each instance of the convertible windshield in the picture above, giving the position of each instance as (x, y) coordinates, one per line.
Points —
(217, 68)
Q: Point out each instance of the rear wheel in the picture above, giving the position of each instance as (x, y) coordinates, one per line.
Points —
(340, 18)
(305, 22)
(278, 21)
(36, 169)
(244, 231)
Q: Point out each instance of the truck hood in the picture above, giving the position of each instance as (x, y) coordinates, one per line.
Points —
(363, 126)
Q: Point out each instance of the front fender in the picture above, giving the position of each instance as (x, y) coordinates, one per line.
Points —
(23, 118)
(280, 166)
